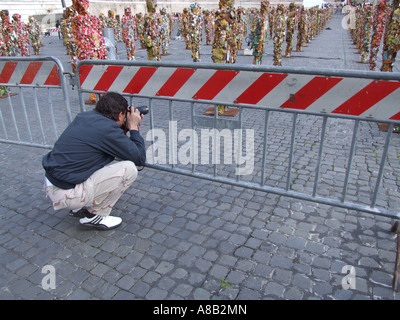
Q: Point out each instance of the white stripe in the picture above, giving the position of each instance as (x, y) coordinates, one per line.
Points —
(2, 64)
(158, 79)
(385, 108)
(339, 94)
(194, 83)
(281, 93)
(123, 79)
(19, 72)
(93, 77)
(43, 73)
(237, 86)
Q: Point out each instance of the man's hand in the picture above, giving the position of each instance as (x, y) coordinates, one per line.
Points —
(133, 119)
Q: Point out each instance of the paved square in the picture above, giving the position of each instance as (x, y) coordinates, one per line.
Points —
(185, 238)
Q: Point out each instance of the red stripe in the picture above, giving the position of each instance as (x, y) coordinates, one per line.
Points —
(215, 84)
(53, 78)
(367, 97)
(260, 88)
(311, 92)
(83, 72)
(140, 79)
(31, 72)
(396, 117)
(175, 82)
(7, 71)
(108, 78)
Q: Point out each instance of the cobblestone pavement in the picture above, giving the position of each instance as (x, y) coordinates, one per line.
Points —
(185, 238)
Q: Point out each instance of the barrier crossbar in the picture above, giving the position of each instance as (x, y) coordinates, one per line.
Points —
(365, 94)
(36, 101)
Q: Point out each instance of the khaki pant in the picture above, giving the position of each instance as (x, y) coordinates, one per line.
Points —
(99, 193)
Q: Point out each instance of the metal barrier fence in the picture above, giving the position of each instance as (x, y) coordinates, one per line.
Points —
(33, 111)
(310, 134)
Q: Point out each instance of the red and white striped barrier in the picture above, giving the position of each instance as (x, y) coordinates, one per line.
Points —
(29, 73)
(362, 97)
(53, 29)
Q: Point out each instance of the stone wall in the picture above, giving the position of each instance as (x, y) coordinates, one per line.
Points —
(97, 6)
(49, 11)
(44, 9)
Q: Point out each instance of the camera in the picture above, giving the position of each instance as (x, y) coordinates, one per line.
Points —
(142, 109)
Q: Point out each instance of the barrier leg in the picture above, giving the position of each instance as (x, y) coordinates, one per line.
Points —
(396, 280)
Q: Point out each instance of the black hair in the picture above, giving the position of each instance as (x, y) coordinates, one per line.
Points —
(111, 104)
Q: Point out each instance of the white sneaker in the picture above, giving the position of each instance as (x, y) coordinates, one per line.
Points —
(100, 222)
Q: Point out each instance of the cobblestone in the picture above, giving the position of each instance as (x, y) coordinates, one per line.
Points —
(184, 238)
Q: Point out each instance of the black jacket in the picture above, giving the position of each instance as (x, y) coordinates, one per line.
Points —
(89, 143)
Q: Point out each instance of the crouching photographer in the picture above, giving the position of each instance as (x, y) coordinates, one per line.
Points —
(79, 173)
